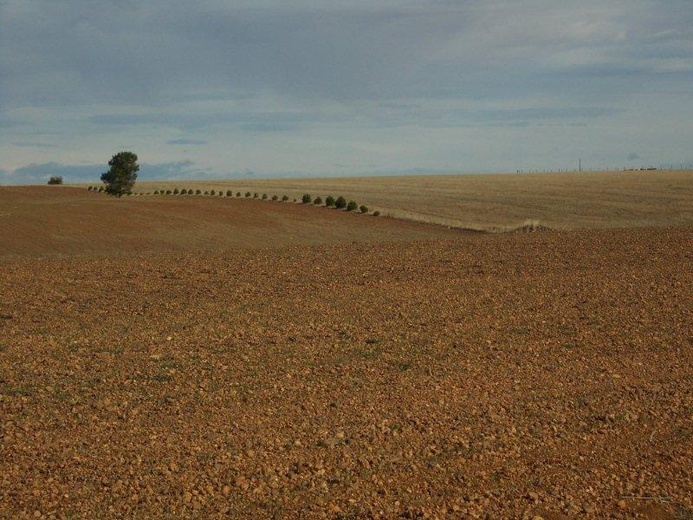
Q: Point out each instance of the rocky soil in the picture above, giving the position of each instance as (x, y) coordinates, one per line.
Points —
(545, 375)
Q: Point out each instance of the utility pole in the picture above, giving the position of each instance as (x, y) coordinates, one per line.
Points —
(579, 165)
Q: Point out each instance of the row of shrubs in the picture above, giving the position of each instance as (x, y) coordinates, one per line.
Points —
(329, 202)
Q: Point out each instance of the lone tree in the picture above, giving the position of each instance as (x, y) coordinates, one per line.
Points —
(120, 178)
(56, 179)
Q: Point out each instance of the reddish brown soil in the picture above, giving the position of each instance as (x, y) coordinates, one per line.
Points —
(481, 376)
(61, 221)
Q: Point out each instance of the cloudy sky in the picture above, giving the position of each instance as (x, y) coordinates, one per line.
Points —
(342, 87)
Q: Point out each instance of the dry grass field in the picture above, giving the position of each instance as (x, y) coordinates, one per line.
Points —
(199, 357)
(557, 200)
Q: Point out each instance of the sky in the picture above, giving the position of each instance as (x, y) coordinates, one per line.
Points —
(266, 88)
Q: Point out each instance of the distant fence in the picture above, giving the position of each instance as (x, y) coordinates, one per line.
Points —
(683, 167)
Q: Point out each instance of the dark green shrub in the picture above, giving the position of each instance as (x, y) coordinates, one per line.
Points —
(168, 192)
(363, 209)
(247, 194)
(274, 197)
(56, 179)
(285, 198)
(255, 195)
(212, 192)
(352, 206)
(317, 201)
(100, 189)
(184, 191)
(198, 192)
(89, 188)
(229, 193)
(264, 196)
(306, 199)
(238, 194)
(175, 191)
(329, 201)
(376, 213)
(221, 193)
(340, 203)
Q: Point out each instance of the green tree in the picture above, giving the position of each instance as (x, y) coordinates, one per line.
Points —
(121, 176)
(56, 179)
(340, 203)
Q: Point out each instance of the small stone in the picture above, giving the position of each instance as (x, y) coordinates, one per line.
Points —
(534, 497)
(226, 490)
(187, 497)
(622, 504)
(242, 483)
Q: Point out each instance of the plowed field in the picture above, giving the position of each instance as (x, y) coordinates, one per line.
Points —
(397, 371)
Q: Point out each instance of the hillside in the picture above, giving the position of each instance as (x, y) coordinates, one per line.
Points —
(55, 220)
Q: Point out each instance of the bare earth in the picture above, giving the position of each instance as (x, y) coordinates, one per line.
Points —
(400, 371)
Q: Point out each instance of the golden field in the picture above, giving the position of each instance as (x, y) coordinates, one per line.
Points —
(585, 200)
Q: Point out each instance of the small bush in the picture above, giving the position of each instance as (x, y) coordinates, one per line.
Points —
(363, 209)
(317, 201)
(221, 193)
(56, 179)
(329, 201)
(376, 213)
(100, 189)
(306, 199)
(255, 195)
(168, 192)
(340, 203)
(175, 191)
(274, 197)
(264, 196)
(247, 194)
(198, 192)
(212, 192)
(229, 193)
(184, 191)
(285, 198)
(352, 206)
(238, 194)
(90, 188)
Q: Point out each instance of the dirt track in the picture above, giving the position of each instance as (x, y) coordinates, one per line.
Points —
(485, 376)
